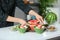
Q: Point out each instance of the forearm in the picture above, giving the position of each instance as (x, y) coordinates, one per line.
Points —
(13, 19)
(32, 12)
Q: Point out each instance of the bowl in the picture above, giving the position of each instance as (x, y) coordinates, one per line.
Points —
(21, 30)
(37, 30)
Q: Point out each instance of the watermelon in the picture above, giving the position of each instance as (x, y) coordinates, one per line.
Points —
(51, 17)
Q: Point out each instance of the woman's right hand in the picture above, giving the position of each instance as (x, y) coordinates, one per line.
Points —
(16, 20)
(22, 22)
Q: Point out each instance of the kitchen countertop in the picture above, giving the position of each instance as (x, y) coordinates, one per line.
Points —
(7, 34)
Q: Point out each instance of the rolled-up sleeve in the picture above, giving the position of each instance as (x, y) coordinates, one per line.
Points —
(3, 16)
(24, 7)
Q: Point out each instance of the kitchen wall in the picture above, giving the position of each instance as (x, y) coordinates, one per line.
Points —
(58, 6)
(20, 14)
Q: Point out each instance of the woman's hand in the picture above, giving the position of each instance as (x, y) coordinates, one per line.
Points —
(38, 17)
(22, 22)
(16, 20)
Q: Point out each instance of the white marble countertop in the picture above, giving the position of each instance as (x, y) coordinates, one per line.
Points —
(8, 34)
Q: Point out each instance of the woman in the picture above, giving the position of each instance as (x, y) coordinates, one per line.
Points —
(7, 9)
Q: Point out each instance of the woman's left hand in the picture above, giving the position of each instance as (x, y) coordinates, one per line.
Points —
(38, 17)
